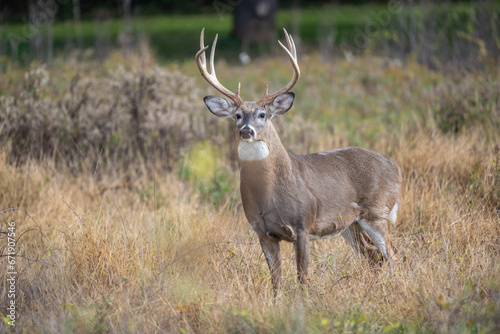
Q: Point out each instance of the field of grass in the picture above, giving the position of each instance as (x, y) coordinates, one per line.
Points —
(124, 193)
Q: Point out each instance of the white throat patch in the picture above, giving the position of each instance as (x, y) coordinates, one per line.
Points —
(253, 150)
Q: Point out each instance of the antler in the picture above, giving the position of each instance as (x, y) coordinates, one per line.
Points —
(212, 77)
(292, 55)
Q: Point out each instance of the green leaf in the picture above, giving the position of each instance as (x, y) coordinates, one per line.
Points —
(391, 327)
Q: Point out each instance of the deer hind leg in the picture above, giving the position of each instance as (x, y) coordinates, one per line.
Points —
(360, 241)
(378, 233)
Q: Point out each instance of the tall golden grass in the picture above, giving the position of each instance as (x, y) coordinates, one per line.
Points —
(147, 249)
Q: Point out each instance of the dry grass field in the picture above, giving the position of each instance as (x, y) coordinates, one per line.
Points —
(124, 193)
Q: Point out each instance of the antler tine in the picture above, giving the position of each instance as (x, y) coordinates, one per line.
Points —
(291, 52)
(212, 56)
(202, 47)
(290, 43)
(212, 77)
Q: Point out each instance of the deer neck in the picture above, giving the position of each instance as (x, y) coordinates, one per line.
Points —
(265, 160)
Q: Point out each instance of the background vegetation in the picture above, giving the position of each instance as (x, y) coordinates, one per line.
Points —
(124, 189)
(439, 34)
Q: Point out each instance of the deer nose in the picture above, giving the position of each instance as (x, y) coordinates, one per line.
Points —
(246, 133)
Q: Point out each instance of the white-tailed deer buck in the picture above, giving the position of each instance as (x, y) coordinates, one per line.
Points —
(350, 191)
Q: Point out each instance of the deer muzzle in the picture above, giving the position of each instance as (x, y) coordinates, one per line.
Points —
(247, 133)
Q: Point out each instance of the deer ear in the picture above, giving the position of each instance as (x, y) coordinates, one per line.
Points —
(219, 106)
(282, 103)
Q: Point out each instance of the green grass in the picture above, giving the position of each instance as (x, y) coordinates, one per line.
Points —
(175, 37)
(437, 33)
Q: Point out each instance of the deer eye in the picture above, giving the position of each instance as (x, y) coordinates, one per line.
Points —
(238, 116)
(262, 115)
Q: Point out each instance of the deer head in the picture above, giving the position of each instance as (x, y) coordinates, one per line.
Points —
(252, 118)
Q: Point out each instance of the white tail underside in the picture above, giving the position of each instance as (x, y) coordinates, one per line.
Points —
(393, 215)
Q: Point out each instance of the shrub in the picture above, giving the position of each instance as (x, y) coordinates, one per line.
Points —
(108, 117)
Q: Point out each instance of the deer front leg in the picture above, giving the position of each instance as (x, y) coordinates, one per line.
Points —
(271, 249)
(301, 246)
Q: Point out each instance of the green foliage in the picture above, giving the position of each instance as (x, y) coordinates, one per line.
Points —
(439, 34)
(203, 167)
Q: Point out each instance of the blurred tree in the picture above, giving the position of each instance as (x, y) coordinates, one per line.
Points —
(254, 21)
